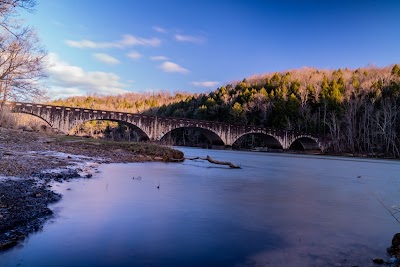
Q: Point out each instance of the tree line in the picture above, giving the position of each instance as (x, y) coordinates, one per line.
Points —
(357, 109)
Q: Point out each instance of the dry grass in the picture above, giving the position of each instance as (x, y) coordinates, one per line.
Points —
(23, 122)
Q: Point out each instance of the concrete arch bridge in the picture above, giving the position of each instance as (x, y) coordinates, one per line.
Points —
(155, 128)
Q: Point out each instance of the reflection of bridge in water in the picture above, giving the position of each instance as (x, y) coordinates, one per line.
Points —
(155, 128)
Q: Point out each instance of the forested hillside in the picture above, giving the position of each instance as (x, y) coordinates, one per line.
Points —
(358, 109)
(129, 102)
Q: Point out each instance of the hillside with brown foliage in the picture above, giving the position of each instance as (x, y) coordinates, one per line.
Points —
(358, 109)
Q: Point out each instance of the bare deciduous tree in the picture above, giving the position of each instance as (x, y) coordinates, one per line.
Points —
(21, 55)
(9, 11)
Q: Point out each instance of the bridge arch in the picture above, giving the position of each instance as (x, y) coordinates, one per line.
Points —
(212, 136)
(34, 115)
(305, 142)
(269, 140)
(143, 136)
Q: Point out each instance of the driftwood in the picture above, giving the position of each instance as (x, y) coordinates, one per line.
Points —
(211, 160)
(175, 160)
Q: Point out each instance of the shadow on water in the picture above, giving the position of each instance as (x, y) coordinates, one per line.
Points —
(229, 251)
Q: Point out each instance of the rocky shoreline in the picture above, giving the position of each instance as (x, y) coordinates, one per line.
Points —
(23, 209)
(30, 162)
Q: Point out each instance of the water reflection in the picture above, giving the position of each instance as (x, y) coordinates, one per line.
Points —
(279, 210)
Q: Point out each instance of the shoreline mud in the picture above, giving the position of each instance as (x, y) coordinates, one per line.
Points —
(31, 162)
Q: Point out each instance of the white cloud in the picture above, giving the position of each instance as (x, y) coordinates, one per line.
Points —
(134, 55)
(159, 58)
(189, 38)
(172, 67)
(130, 40)
(105, 58)
(68, 80)
(159, 29)
(126, 41)
(84, 44)
(206, 84)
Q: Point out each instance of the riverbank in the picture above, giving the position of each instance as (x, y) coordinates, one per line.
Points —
(30, 162)
(281, 204)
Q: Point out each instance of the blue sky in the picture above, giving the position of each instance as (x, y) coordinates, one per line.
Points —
(110, 47)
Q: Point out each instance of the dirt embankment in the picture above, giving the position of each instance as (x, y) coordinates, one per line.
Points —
(26, 159)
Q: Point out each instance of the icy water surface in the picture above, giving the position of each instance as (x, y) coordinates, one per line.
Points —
(278, 210)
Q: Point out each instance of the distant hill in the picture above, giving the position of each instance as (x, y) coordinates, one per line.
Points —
(359, 109)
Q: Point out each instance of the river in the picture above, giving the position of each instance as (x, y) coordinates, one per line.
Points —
(278, 210)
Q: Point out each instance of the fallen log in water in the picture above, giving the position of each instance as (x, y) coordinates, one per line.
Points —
(211, 160)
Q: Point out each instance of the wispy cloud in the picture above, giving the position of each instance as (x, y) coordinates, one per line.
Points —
(172, 67)
(206, 84)
(58, 23)
(105, 58)
(134, 55)
(159, 58)
(159, 29)
(190, 38)
(126, 41)
(68, 80)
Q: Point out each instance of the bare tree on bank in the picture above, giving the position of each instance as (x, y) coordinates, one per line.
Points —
(22, 57)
